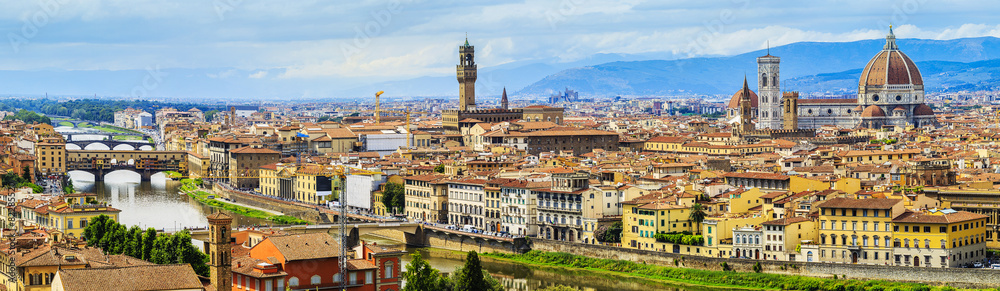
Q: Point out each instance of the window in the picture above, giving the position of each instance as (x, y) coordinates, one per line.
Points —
(267, 285)
(336, 277)
(388, 269)
(314, 280)
(293, 281)
(354, 278)
(69, 223)
(369, 277)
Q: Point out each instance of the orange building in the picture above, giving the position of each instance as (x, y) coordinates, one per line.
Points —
(312, 261)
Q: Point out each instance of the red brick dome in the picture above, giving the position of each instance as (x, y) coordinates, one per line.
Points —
(890, 67)
(873, 111)
(735, 101)
(923, 110)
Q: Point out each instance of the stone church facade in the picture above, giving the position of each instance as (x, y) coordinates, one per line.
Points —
(890, 93)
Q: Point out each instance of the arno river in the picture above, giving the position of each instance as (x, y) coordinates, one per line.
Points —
(158, 204)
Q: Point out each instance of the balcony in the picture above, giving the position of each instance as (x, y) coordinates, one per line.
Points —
(559, 209)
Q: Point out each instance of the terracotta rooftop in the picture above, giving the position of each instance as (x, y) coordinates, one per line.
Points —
(786, 221)
(306, 246)
(874, 203)
(147, 277)
(944, 218)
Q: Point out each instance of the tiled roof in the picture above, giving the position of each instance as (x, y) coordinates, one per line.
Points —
(874, 203)
(786, 221)
(306, 246)
(757, 175)
(253, 150)
(147, 277)
(360, 264)
(921, 217)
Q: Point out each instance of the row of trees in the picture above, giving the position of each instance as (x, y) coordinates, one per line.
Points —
(394, 197)
(95, 109)
(28, 117)
(420, 276)
(684, 238)
(115, 238)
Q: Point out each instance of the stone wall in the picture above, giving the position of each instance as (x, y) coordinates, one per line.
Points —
(956, 277)
(310, 214)
(449, 241)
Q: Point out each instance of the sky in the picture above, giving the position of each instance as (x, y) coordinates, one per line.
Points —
(350, 42)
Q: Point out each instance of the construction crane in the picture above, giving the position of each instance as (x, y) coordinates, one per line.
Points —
(378, 112)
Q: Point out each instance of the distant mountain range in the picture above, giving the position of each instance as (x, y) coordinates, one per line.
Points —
(946, 65)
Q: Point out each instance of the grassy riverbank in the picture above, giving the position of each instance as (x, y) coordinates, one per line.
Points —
(190, 187)
(702, 277)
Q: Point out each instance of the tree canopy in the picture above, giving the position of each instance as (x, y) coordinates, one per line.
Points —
(394, 197)
(93, 109)
(114, 238)
(28, 117)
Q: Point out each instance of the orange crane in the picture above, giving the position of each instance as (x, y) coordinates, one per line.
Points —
(378, 112)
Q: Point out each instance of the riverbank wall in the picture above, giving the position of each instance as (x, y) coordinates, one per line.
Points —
(452, 241)
(310, 214)
(955, 277)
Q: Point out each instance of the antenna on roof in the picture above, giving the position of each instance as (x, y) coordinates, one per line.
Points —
(769, 47)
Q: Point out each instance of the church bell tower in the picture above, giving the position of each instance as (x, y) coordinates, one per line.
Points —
(218, 250)
(466, 77)
(769, 112)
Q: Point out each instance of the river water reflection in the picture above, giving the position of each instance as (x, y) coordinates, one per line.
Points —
(518, 277)
(157, 204)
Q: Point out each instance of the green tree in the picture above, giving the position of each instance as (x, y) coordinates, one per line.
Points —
(697, 215)
(135, 242)
(26, 173)
(473, 277)
(147, 244)
(395, 195)
(421, 276)
(94, 231)
(162, 254)
(439, 169)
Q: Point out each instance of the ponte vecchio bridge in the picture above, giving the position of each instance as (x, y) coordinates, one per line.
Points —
(146, 163)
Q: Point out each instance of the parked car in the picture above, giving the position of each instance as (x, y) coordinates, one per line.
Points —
(977, 265)
(995, 266)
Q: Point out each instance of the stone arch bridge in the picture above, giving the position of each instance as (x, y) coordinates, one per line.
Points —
(146, 163)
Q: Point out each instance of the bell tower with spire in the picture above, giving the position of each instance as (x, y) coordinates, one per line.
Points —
(466, 77)
(503, 99)
(769, 99)
(746, 113)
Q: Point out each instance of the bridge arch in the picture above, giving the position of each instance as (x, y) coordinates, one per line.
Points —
(146, 148)
(123, 147)
(96, 146)
(82, 176)
(73, 146)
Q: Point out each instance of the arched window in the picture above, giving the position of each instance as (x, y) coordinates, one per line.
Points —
(314, 280)
(336, 277)
(388, 269)
(293, 281)
(763, 80)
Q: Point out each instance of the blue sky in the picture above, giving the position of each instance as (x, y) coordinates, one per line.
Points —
(347, 42)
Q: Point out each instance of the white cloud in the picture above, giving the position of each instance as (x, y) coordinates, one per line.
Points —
(305, 39)
(258, 75)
